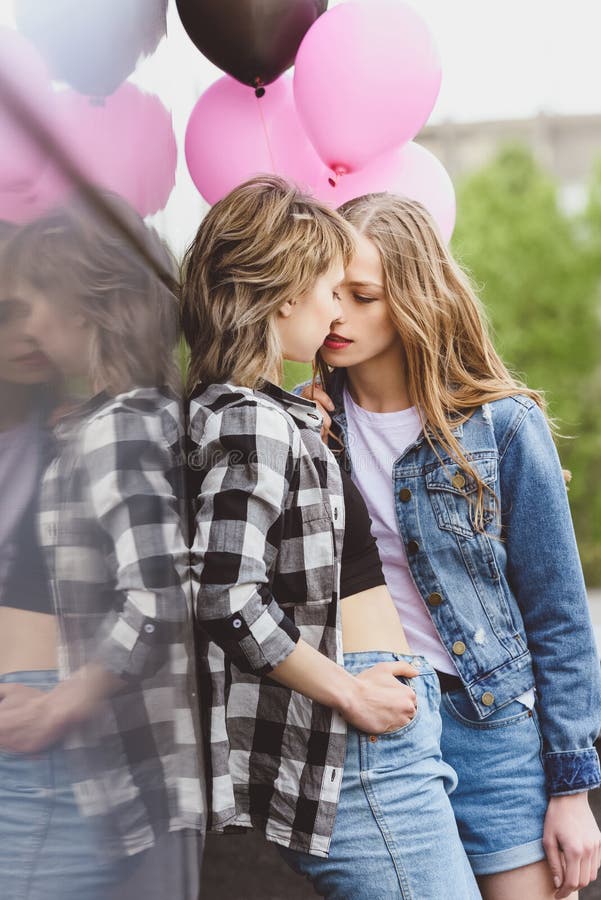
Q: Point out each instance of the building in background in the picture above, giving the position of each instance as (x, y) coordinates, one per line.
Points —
(567, 146)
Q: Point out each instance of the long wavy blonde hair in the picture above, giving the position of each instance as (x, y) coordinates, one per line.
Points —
(452, 366)
(263, 244)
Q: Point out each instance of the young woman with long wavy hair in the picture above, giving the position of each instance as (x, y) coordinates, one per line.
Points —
(456, 461)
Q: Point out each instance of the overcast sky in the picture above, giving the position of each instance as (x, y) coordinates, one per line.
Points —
(500, 59)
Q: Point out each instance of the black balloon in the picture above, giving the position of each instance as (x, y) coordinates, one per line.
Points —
(252, 40)
(93, 45)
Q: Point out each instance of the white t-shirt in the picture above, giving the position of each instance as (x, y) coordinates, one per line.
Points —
(375, 442)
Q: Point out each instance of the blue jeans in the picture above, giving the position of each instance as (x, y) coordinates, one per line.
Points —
(395, 834)
(501, 799)
(47, 850)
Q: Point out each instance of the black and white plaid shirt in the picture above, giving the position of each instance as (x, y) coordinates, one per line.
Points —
(110, 526)
(269, 517)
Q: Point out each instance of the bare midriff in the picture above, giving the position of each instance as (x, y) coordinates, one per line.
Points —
(28, 641)
(370, 622)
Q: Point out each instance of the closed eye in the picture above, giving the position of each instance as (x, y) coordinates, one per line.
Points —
(12, 309)
(361, 299)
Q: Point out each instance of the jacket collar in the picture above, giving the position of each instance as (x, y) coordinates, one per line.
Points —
(302, 410)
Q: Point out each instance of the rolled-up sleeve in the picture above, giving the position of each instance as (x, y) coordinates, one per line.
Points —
(243, 460)
(128, 461)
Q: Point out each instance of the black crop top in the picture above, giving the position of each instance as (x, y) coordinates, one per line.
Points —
(361, 567)
(26, 584)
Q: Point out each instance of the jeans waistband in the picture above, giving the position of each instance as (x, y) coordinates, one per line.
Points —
(33, 678)
(366, 659)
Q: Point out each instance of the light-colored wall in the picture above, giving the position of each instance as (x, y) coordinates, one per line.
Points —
(567, 146)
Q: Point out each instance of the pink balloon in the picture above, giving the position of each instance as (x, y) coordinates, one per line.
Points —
(233, 135)
(23, 76)
(411, 172)
(422, 177)
(367, 77)
(124, 144)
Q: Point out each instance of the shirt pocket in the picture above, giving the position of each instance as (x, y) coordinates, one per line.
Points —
(305, 567)
(453, 494)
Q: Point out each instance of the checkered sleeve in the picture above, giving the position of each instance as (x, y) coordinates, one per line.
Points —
(245, 457)
(127, 459)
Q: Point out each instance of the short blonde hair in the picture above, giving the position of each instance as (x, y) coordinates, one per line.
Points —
(121, 280)
(263, 244)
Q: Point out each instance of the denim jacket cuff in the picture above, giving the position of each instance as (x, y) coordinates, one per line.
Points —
(572, 771)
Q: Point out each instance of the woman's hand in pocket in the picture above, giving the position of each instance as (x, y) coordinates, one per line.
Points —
(27, 724)
(32, 720)
(383, 703)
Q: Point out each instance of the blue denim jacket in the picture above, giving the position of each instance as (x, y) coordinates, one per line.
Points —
(509, 604)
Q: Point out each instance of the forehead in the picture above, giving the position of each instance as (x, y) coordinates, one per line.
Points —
(365, 264)
(335, 273)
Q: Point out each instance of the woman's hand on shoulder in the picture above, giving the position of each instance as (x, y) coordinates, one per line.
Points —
(316, 393)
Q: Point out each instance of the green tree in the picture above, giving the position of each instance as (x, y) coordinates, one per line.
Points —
(590, 231)
(537, 271)
(294, 373)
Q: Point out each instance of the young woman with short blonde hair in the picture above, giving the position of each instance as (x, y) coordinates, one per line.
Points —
(312, 738)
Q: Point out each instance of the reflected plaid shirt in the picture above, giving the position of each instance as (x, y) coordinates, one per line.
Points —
(110, 526)
(269, 516)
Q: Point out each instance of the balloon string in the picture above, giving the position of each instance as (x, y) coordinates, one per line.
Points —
(266, 132)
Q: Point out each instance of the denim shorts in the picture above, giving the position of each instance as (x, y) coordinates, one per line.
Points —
(501, 800)
(395, 834)
(47, 850)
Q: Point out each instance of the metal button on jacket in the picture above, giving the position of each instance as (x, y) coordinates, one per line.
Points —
(488, 699)
(458, 481)
(435, 599)
(405, 495)
(459, 648)
(412, 547)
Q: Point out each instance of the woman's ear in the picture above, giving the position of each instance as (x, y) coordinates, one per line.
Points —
(286, 309)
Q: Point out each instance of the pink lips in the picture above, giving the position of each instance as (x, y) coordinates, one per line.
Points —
(336, 342)
(35, 360)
